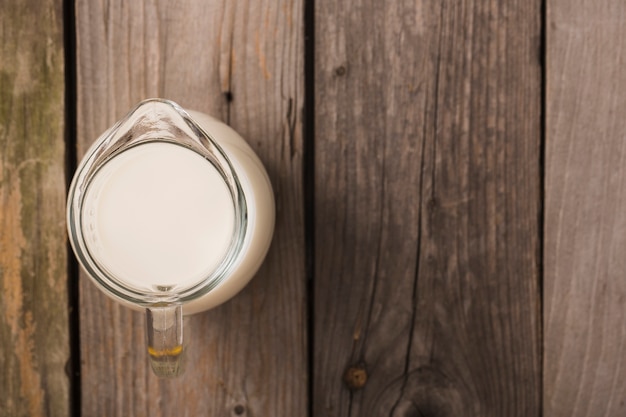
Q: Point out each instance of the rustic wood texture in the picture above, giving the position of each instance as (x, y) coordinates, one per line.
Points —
(427, 206)
(242, 62)
(585, 226)
(34, 338)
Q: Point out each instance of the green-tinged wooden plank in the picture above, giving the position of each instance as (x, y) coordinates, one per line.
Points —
(585, 226)
(428, 180)
(34, 337)
(241, 62)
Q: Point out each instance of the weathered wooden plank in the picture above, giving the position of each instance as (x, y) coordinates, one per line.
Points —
(427, 187)
(585, 228)
(242, 62)
(34, 337)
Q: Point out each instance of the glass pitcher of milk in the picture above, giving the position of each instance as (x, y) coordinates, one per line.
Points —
(170, 212)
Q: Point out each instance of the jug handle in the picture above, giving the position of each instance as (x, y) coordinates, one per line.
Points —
(165, 339)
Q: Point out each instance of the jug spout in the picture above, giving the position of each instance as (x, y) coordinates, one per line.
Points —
(165, 339)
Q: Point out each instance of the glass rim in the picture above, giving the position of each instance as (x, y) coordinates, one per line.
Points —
(113, 143)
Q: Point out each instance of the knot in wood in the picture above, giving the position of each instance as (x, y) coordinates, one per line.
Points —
(432, 204)
(340, 71)
(355, 377)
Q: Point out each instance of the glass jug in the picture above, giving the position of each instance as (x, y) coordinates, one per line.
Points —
(170, 212)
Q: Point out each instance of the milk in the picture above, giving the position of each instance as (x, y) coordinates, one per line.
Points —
(158, 216)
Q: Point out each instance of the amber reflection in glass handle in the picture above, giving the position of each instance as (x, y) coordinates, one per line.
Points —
(165, 339)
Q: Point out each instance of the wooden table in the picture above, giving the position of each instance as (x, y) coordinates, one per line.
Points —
(450, 180)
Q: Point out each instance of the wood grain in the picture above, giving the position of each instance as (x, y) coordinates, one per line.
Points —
(427, 189)
(34, 340)
(241, 62)
(585, 228)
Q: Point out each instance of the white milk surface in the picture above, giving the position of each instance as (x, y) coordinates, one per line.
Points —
(158, 215)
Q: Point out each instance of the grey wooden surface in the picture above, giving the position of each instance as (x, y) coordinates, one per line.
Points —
(241, 63)
(427, 200)
(466, 235)
(585, 212)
